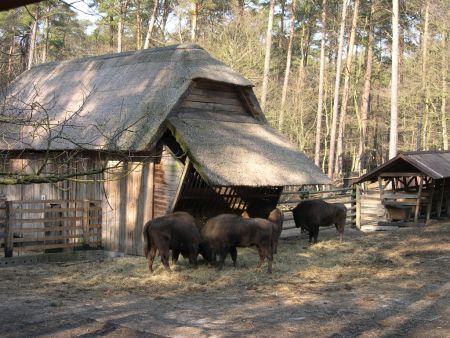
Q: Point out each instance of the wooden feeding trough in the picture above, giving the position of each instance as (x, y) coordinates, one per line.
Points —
(414, 186)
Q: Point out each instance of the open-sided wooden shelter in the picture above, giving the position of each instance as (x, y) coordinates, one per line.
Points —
(188, 129)
(414, 184)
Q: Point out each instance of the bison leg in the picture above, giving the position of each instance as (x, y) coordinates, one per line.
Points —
(150, 257)
(275, 245)
(193, 253)
(165, 259)
(315, 234)
(233, 254)
(164, 252)
(262, 255)
(175, 256)
(223, 254)
(269, 266)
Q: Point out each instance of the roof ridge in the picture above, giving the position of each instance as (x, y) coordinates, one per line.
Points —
(185, 46)
(418, 152)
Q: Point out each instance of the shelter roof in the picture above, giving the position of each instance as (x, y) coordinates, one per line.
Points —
(244, 154)
(435, 164)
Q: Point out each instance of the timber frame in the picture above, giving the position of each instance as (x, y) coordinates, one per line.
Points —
(404, 195)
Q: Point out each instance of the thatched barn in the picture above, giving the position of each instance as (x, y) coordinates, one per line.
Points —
(413, 185)
(188, 131)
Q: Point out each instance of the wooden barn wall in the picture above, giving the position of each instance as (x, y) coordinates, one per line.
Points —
(46, 191)
(127, 206)
(130, 196)
(167, 177)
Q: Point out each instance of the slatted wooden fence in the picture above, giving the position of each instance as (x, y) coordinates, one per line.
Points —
(349, 196)
(32, 225)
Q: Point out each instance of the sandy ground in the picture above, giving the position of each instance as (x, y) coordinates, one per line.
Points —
(372, 285)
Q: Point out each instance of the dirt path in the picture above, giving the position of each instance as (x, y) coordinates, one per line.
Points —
(373, 285)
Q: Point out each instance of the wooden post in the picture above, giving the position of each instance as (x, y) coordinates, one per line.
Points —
(419, 195)
(187, 168)
(358, 206)
(430, 202)
(441, 199)
(9, 232)
(86, 222)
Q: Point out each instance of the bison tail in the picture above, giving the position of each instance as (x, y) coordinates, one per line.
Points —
(147, 244)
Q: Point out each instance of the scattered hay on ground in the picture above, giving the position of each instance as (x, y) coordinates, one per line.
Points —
(391, 270)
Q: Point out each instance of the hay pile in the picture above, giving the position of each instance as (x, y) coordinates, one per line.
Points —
(359, 259)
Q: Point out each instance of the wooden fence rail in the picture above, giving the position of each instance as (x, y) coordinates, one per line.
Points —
(33, 225)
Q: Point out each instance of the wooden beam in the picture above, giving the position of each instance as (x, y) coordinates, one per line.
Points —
(441, 199)
(419, 195)
(8, 231)
(430, 202)
(400, 174)
(186, 169)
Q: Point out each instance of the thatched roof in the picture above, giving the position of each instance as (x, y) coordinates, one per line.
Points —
(121, 99)
(123, 102)
(246, 154)
(9, 4)
(433, 163)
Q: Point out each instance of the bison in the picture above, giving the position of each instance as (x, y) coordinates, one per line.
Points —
(227, 231)
(177, 232)
(276, 216)
(272, 214)
(310, 215)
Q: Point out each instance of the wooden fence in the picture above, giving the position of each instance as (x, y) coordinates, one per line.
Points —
(348, 196)
(29, 226)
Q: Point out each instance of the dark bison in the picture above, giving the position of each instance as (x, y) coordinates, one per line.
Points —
(310, 215)
(177, 232)
(225, 232)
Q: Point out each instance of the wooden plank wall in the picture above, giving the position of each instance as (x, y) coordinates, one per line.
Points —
(127, 206)
(216, 101)
(127, 201)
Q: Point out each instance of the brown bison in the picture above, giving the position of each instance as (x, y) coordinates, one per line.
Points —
(225, 232)
(177, 232)
(276, 216)
(310, 215)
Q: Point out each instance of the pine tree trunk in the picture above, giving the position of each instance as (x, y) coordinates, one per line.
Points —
(120, 28)
(46, 34)
(282, 13)
(194, 19)
(423, 113)
(288, 65)
(32, 48)
(347, 73)
(321, 81)
(444, 116)
(267, 56)
(151, 24)
(336, 91)
(11, 57)
(393, 133)
(138, 25)
(165, 15)
(111, 32)
(366, 95)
